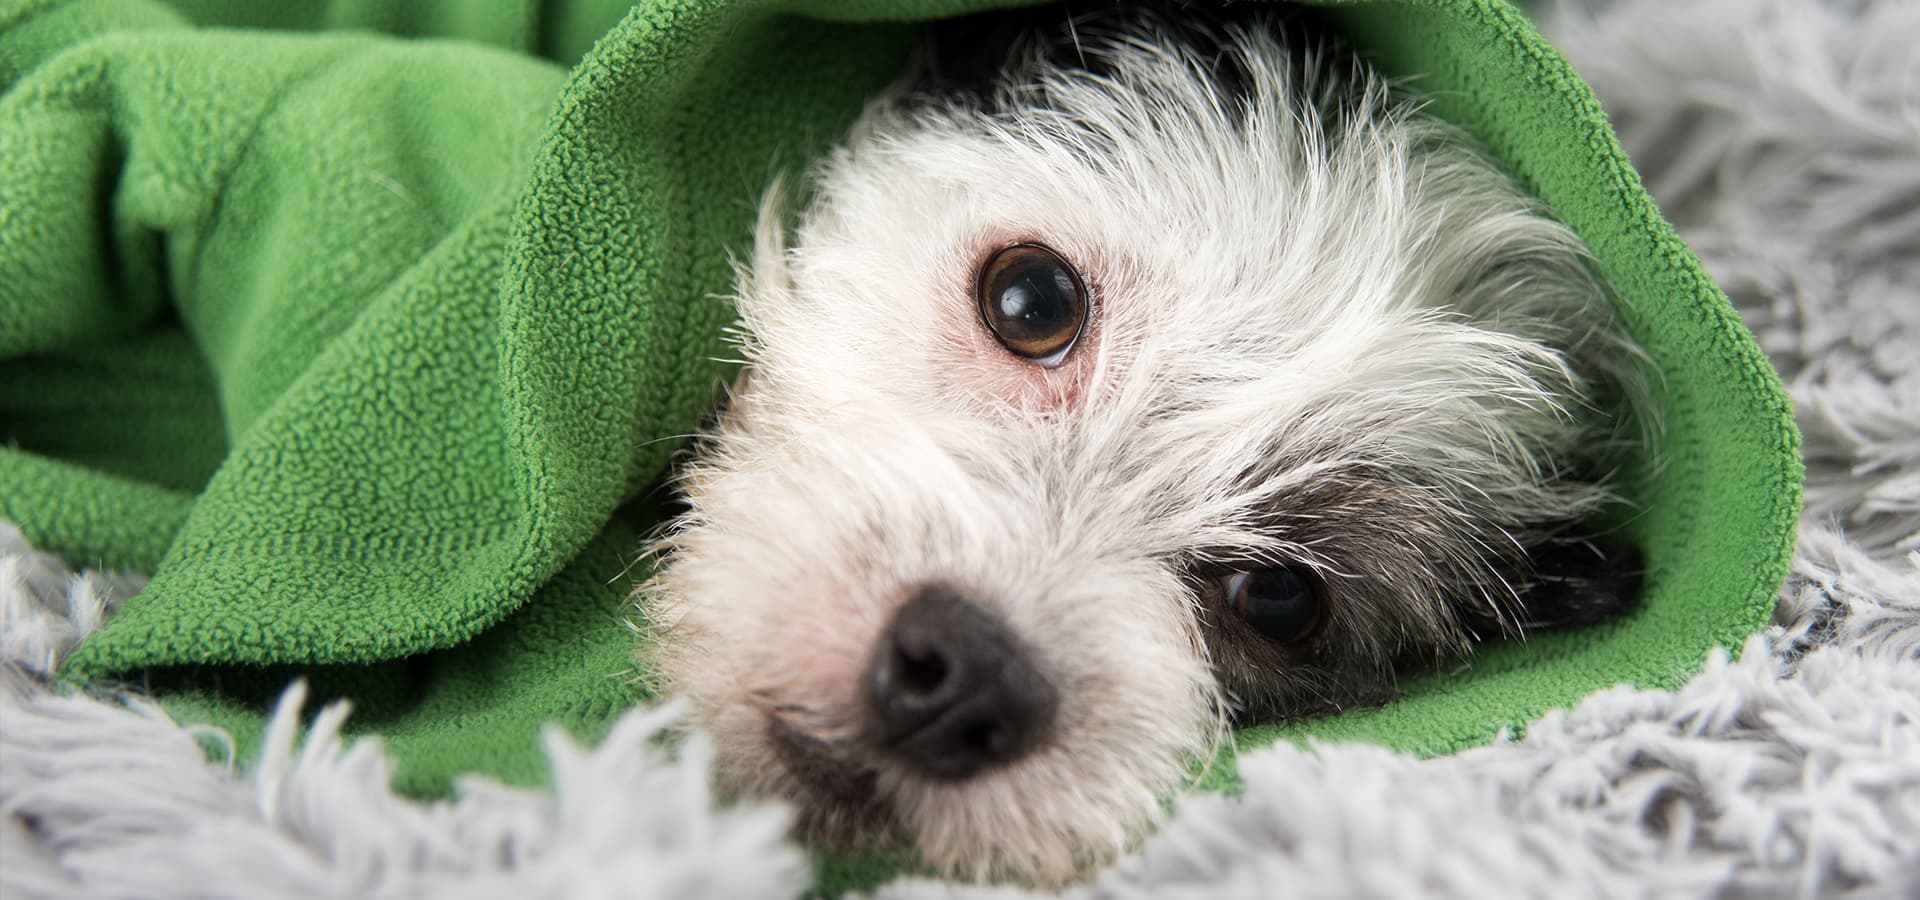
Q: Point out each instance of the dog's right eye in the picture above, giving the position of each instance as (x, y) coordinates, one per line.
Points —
(1033, 301)
(1281, 603)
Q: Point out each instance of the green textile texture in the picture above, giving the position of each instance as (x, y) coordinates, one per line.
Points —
(365, 327)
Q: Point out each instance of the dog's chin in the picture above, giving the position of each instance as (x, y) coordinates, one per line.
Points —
(836, 791)
(850, 796)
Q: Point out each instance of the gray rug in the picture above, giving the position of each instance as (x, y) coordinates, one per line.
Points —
(1781, 136)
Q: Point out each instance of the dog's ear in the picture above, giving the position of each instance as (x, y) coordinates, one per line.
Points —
(1567, 582)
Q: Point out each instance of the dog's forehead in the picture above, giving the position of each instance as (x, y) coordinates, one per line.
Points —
(1234, 274)
(1200, 202)
(1231, 224)
(1203, 283)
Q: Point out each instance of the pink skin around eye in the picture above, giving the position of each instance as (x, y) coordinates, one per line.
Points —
(981, 367)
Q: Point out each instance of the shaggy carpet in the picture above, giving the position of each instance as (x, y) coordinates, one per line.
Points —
(1781, 136)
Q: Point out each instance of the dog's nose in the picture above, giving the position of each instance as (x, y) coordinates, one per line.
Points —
(953, 693)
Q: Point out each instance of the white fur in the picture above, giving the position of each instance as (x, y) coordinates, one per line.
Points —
(1315, 300)
(47, 607)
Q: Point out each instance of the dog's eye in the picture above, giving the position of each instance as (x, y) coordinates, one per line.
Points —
(1033, 301)
(1282, 603)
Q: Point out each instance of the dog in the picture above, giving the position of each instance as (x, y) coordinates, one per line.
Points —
(1174, 377)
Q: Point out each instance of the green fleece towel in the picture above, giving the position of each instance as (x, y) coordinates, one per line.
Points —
(369, 347)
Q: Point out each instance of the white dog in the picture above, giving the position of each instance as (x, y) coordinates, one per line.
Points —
(1175, 378)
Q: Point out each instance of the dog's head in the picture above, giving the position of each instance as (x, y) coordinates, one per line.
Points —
(1086, 414)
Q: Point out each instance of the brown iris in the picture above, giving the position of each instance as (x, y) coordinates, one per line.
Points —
(1033, 301)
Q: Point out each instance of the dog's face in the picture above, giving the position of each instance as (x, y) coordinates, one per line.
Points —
(1086, 417)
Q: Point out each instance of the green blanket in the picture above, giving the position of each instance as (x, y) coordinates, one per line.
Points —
(369, 347)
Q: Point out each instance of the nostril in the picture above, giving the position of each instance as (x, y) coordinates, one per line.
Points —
(921, 672)
(983, 737)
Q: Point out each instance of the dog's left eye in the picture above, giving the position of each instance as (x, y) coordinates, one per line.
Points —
(1033, 301)
(1281, 603)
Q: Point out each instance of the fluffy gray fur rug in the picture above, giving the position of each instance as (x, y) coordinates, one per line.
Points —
(1782, 136)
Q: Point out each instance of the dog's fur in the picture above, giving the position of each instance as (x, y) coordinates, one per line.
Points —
(1325, 332)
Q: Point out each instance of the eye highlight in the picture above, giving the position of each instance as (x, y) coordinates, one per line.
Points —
(1282, 603)
(1033, 301)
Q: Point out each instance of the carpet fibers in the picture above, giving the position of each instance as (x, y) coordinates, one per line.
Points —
(1781, 136)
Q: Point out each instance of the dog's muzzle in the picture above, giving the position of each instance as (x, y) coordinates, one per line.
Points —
(953, 692)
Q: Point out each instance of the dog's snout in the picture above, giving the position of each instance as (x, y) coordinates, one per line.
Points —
(953, 692)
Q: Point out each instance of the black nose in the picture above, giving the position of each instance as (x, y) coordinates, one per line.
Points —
(953, 692)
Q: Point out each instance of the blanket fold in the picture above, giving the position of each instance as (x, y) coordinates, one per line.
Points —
(369, 346)
(410, 318)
